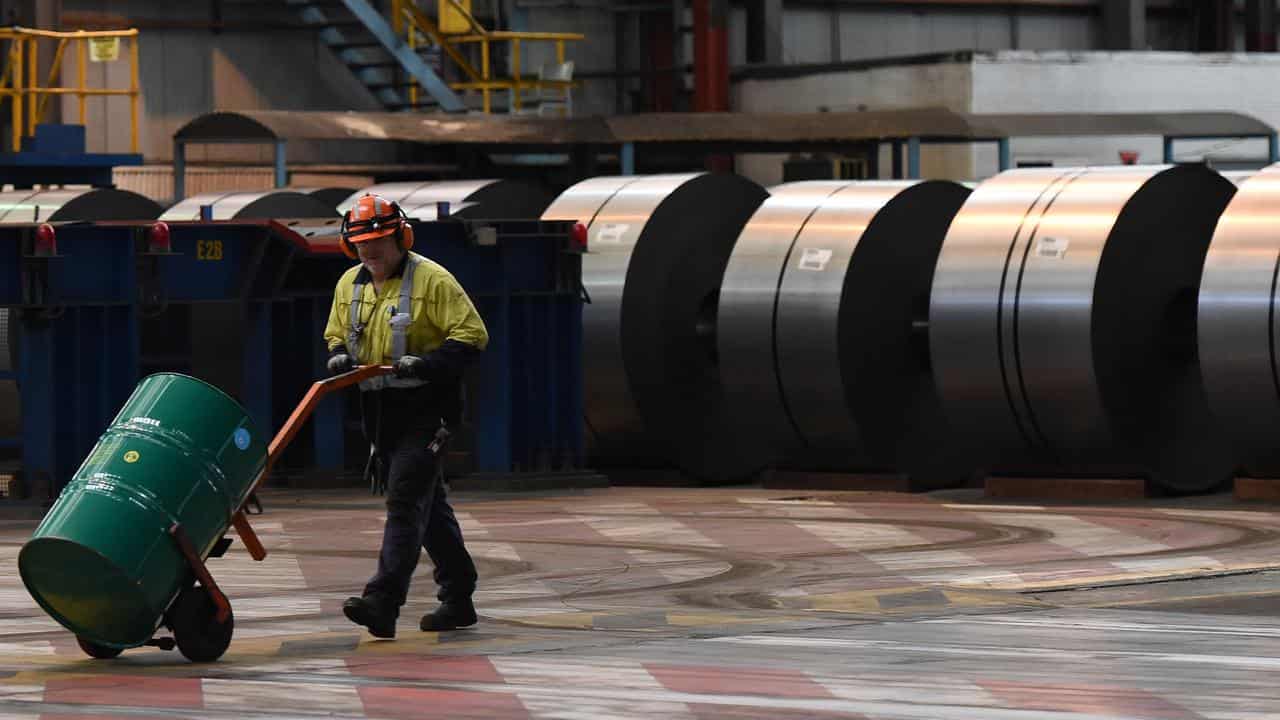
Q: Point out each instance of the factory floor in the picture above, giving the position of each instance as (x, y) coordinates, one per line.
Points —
(721, 603)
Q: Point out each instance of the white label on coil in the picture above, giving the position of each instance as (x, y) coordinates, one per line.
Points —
(1052, 248)
(815, 259)
(611, 233)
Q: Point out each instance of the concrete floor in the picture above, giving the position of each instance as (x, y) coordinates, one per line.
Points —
(721, 603)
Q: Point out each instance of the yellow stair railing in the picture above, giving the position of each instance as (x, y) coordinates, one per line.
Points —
(412, 23)
(20, 80)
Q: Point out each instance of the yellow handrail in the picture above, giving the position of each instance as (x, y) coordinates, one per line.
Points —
(410, 20)
(15, 30)
(29, 98)
(419, 20)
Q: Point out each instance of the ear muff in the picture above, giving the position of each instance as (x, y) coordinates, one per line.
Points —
(343, 244)
(406, 231)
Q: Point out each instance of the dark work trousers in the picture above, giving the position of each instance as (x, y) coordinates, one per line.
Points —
(401, 423)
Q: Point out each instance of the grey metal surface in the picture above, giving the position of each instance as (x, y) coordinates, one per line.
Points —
(24, 206)
(851, 297)
(745, 320)
(1237, 176)
(27, 206)
(1058, 320)
(251, 205)
(669, 320)
(397, 192)
(971, 307)
(808, 315)
(815, 329)
(1236, 322)
(613, 226)
(657, 252)
(489, 199)
(763, 128)
(330, 196)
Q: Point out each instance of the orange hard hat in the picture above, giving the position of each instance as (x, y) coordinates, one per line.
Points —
(372, 217)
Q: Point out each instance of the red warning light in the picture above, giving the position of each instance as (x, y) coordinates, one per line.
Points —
(579, 235)
(158, 238)
(46, 241)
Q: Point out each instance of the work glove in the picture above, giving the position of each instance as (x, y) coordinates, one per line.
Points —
(410, 366)
(341, 363)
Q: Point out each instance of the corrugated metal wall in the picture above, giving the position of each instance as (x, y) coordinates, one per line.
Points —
(156, 181)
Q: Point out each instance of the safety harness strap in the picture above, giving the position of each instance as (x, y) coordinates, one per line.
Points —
(355, 327)
(399, 321)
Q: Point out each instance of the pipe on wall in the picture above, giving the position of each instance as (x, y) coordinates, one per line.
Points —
(711, 55)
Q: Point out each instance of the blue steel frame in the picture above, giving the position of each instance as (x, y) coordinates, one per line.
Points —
(1004, 156)
(83, 314)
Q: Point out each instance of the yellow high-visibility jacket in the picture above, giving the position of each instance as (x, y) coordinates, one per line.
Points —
(440, 311)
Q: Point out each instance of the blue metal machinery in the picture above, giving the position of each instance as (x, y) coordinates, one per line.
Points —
(243, 303)
(56, 155)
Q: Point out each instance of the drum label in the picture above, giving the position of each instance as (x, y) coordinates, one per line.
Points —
(814, 259)
(1052, 248)
(611, 233)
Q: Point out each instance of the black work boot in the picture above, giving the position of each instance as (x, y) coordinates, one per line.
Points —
(449, 616)
(372, 614)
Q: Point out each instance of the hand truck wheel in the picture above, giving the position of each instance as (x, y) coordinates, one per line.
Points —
(199, 635)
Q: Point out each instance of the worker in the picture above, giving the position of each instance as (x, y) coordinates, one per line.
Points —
(400, 309)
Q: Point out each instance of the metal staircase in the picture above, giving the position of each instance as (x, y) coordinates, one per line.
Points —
(361, 37)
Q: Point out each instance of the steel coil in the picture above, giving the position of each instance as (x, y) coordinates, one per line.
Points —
(330, 196)
(1062, 323)
(468, 199)
(251, 205)
(831, 280)
(1236, 324)
(746, 324)
(31, 206)
(658, 248)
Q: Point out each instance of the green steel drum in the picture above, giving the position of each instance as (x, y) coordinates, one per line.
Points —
(102, 563)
